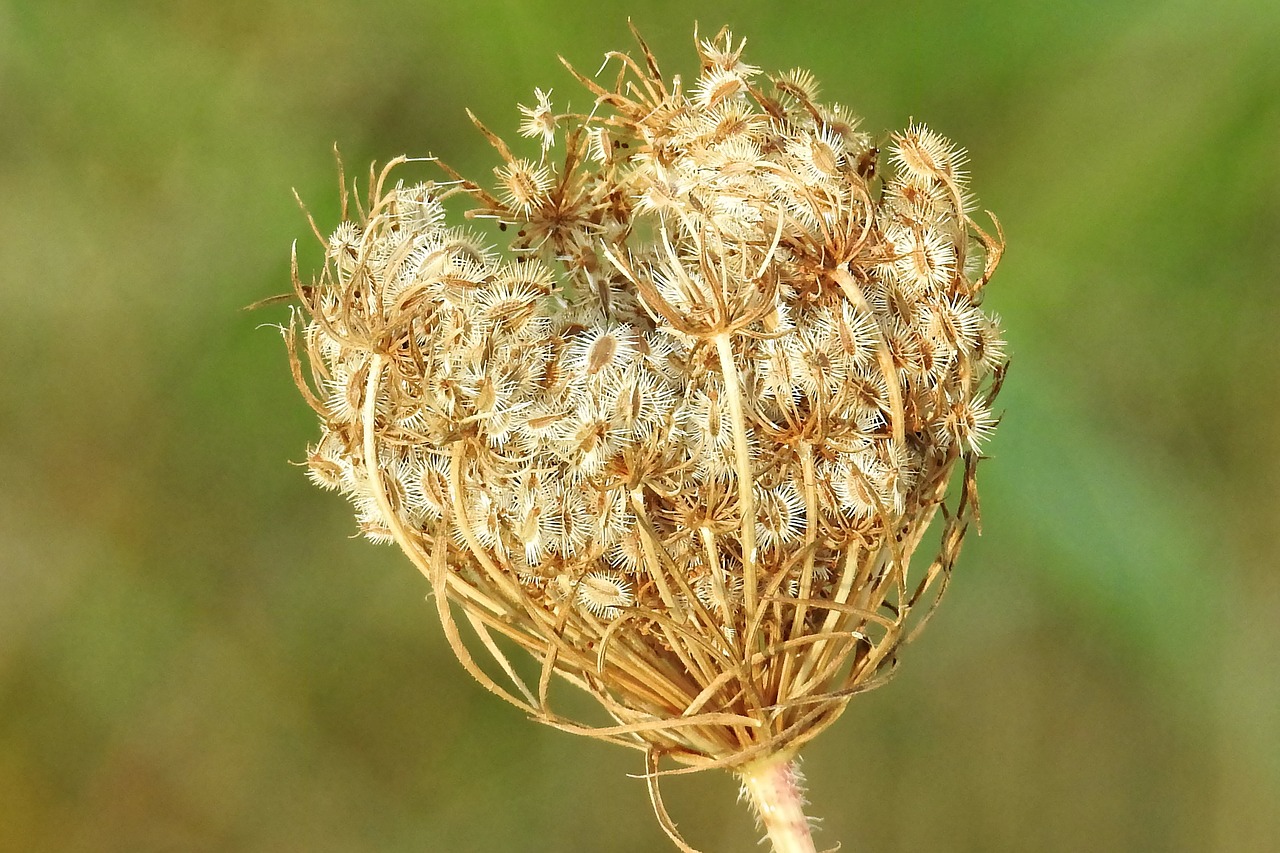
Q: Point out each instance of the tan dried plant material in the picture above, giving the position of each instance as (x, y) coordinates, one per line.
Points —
(681, 439)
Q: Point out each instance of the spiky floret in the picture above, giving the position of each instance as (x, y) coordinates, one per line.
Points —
(604, 594)
(682, 441)
(539, 120)
(525, 184)
(924, 153)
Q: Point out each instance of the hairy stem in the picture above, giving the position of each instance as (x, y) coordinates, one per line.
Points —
(773, 786)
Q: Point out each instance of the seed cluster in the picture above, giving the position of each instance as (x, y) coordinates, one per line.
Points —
(680, 440)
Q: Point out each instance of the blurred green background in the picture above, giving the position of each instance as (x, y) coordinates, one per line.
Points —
(195, 654)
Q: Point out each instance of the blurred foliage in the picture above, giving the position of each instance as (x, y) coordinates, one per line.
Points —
(194, 655)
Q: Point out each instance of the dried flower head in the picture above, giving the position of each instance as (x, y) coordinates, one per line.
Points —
(683, 443)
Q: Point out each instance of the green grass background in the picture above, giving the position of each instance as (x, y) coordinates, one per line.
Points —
(195, 655)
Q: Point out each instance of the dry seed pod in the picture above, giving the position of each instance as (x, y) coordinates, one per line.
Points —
(683, 449)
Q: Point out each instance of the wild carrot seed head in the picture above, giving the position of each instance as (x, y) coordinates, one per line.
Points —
(681, 438)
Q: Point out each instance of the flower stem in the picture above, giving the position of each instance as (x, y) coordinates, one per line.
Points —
(774, 788)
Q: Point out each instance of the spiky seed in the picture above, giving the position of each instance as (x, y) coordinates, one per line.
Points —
(524, 185)
(604, 593)
(539, 120)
